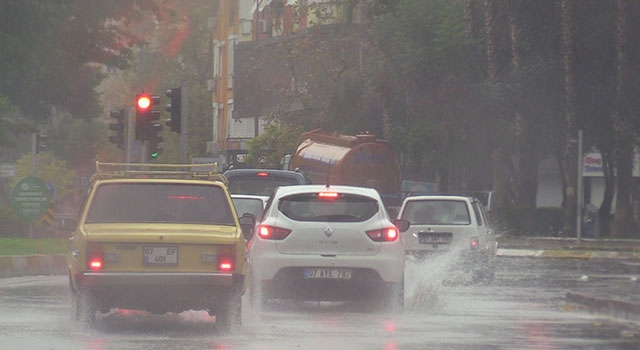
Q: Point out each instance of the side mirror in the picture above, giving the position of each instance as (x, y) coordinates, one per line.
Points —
(402, 224)
(248, 224)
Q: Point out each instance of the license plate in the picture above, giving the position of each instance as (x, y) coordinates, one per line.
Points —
(434, 237)
(160, 255)
(343, 274)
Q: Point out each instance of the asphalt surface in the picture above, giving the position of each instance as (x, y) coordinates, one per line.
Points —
(615, 303)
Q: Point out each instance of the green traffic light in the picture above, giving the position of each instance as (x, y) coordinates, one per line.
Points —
(154, 155)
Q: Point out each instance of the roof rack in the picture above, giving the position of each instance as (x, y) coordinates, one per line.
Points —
(207, 171)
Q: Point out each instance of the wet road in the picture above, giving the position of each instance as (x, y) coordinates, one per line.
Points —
(524, 308)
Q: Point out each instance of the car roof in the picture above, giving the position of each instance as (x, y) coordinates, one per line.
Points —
(289, 190)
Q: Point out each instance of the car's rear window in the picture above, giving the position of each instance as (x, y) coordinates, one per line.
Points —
(258, 185)
(248, 205)
(160, 203)
(342, 208)
(437, 212)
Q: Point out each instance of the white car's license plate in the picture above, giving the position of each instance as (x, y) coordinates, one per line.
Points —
(327, 273)
(160, 255)
(435, 237)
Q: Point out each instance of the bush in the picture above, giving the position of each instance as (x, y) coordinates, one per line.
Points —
(532, 221)
(11, 225)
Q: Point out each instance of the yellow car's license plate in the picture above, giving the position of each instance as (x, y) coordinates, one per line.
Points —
(160, 255)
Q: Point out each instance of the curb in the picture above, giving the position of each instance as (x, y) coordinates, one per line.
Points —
(614, 307)
(568, 254)
(32, 265)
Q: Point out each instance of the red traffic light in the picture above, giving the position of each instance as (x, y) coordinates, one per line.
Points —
(144, 102)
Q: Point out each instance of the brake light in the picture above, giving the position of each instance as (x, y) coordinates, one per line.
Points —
(95, 258)
(272, 233)
(388, 234)
(328, 195)
(262, 174)
(474, 243)
(95, 264)
(225, 263)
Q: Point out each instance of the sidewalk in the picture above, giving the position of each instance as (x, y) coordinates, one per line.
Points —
(622, 304)
(554, 247)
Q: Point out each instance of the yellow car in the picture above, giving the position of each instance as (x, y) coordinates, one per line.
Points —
(158, 238)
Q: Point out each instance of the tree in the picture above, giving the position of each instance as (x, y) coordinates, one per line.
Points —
(49, 48)
(624, 223)
(268, 149)
(50, 170)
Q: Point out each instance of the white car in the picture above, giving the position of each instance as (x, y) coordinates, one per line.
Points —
(321, 243)
(450, 223)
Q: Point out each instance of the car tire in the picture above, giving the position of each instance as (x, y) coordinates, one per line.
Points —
(229, 312)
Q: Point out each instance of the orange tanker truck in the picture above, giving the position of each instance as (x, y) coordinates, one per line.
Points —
(360, 160)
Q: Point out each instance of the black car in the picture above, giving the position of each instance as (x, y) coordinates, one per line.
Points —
(262, 182)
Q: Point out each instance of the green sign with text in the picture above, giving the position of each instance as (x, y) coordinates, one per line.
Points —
(30, 198)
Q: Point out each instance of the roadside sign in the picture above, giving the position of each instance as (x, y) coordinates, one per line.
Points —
(30, 198)
(7, 170)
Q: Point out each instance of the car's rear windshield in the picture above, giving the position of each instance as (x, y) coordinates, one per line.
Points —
(258, 185)
(315, 207)
(437, 212)
(160, 203)
(249, 205)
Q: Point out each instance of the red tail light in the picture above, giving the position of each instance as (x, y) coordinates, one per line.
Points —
(226, 263)
(474, 243)
(95, 258)
(273, 233)
(388, 234)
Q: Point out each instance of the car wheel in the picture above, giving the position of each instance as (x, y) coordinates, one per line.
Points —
(229, 312)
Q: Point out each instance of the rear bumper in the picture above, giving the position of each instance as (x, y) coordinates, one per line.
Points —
(159, 292)
(110, 279)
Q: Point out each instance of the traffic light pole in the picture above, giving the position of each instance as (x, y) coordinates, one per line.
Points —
(183, 123)
(130, 134)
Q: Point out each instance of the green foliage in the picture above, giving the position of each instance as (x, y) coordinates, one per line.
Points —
(521, 221)
(48, 169)
(277, 141)
(25, 246)
(76, 140)
(10, 123)
(49, 51)
(10, 224)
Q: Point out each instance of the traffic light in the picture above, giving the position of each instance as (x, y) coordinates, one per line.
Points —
(146, 117)
(154, 149)
(118, 127)
(41, 142)
(174, 107)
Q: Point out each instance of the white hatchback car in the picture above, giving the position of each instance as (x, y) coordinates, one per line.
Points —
(446, 223)
(321, 243)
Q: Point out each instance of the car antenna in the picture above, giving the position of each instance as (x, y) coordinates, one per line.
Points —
(328, 172)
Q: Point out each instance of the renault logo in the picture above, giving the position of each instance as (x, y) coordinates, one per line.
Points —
(328, 231)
